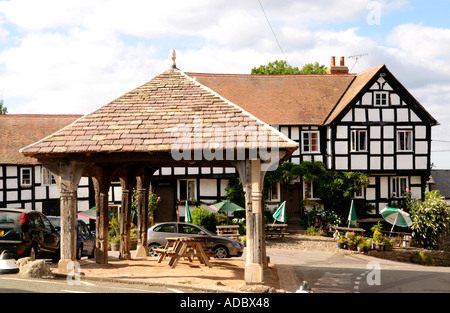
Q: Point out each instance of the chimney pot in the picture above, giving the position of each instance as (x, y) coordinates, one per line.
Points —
(342, 61)
(333, 61)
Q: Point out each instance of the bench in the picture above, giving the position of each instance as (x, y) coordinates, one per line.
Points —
(234, 236)
(274, 234)
(275, 231)
(231, 231)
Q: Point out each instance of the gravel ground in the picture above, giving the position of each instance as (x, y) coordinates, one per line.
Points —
(303, 242)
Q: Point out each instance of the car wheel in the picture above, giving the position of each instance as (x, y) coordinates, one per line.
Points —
(221, 252)
(92, 255)
(79, 252)
(151, 249)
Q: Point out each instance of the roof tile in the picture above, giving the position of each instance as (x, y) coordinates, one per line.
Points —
(151, 118)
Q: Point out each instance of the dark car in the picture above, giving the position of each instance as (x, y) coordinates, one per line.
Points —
(28, 233)
(85, 239)
(222, 246)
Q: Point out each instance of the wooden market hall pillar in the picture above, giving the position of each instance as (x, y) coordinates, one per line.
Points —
(101, 177)
(252, 181)
(67, 176)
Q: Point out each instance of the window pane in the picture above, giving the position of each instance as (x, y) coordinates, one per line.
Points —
(191, 189)
(307, 189)
(26, 176)
(362, 141)
(314, 142)
(183, 190)
(306, 142)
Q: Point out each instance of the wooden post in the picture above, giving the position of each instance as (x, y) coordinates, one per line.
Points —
(128, 182)
(67, 176)
(101, 178)
(250, 173)
(143, 185)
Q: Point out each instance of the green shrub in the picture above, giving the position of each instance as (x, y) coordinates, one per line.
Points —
(421, 258)
(312, 231)
(377, 236)
(221, 219)
(204, 218)
(430, 218)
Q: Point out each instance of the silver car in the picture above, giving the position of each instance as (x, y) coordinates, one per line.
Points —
(222, 246)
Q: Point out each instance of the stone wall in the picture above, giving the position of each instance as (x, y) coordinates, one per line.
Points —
(439, 257)
(444, 242)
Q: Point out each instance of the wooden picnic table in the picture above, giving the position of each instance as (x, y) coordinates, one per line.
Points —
(228, 231)
(276, 230)
(343, 230)
(185, 247)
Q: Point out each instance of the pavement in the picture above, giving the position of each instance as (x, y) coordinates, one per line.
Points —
(225, 275)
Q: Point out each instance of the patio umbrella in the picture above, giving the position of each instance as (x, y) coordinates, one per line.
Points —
(397, 217)
(280, 214)
(188, 214)
(89, 213)
(226, 206)
(351, 214)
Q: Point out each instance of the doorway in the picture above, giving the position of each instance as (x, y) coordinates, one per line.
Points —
(166, 207)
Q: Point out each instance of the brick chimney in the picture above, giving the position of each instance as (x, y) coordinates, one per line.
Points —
(337, 70)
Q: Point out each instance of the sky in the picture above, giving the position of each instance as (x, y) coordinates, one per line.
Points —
(74, 56)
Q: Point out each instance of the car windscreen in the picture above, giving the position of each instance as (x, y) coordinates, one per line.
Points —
(9, 217)
(192, 230)
(165, 228)
(56, 222)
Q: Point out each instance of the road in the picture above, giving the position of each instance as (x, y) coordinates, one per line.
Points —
(16, 284)
(327, 272)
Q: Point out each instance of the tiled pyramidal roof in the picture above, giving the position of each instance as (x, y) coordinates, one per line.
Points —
(156, 115)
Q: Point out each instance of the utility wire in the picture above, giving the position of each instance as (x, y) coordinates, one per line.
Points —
(273, 32)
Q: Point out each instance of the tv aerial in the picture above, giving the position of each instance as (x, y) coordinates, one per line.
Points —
(356, 58)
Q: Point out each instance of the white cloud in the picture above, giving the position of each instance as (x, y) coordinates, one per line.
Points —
(75, 56)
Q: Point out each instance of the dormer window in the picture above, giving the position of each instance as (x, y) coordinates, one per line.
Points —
(381, 98)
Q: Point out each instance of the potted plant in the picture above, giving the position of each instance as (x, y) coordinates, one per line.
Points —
(342, 243)
(368, 245)
(378, 240)
(114, 243)
(351, 244)
(388, 244)
(361, 247)
(114, 233)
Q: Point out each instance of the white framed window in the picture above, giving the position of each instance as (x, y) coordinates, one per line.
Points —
(358, 141)
(399, 186)
(273, 193)
(47, 177)
(360, 193)
(404, 140)
(310, 141)
(310, 191)
(25, 176)
(381, 98)
(187, 189)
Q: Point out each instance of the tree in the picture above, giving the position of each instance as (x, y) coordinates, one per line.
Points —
(3, 109)
(431, 219)
(335, 189)
(282, 68)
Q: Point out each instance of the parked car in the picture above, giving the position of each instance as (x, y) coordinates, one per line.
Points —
(28, 233)
(85, 238)
(222, 246)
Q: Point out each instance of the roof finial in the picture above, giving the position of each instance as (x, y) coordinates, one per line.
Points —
(173, 56)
